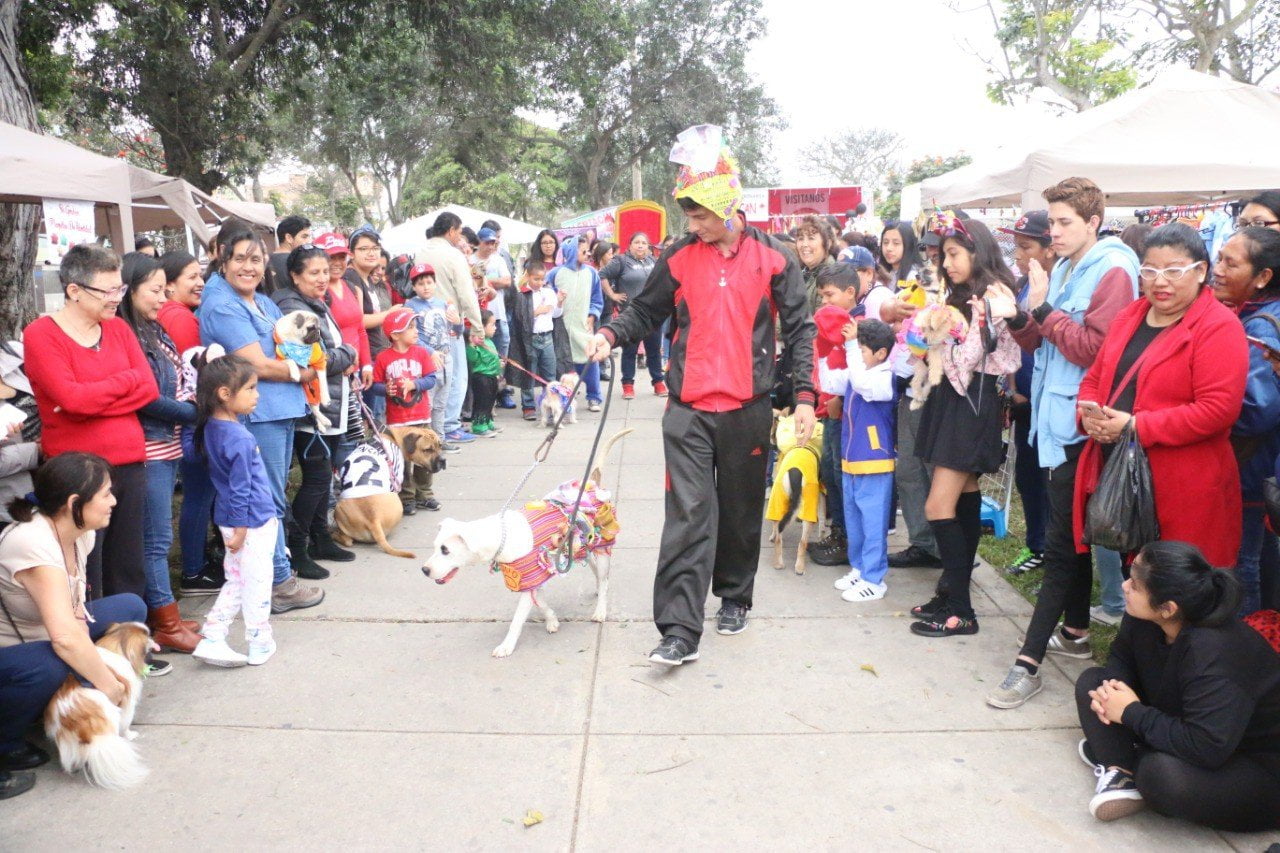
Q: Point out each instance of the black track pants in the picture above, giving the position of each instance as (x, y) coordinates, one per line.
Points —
(714, 510)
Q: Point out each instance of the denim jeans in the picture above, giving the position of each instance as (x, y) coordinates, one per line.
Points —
(666, 340)
(590, 374)
(30, 673)
(275, 446)
(1029, 477)
(652, 347)
(1110, 578)
(457, 390)
(1249, 560)
(544, 356)
(157, 530)
(196, 514)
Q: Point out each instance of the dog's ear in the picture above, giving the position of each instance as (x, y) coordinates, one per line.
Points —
(410, 444)
(300, 320)
(472, 537)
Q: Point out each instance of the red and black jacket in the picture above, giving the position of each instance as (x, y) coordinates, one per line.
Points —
(723, 347)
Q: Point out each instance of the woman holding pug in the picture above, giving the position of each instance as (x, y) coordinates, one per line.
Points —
(319, 448)
(234, 315)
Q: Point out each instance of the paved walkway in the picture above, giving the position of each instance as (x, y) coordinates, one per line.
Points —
(383, 722)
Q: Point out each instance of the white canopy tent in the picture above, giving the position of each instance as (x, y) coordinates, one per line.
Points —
(1185, 138)
(410, 235)
(161, 201)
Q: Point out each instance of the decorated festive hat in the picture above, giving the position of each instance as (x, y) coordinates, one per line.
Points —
(708, 170)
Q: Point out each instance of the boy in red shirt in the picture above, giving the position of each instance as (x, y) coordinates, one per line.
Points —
(404, 373)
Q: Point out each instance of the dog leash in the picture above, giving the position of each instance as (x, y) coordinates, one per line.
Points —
(540, 456)
(518, 366)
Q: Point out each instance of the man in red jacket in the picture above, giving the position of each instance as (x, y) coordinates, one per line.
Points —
(726, 284)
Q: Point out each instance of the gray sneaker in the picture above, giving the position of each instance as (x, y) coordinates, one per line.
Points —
(1098, 613)
(1018, 686)
(1077, 648)
(292, 595)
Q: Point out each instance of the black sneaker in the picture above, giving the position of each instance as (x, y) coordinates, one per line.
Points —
(674, 651)
(26, 757)
(157, 667)
(324, 548)
(833, 551)
(732, 618)
(16, 782)
(1117, 794)
(429, 504)
(930, 608)
(1086, 753)
(938, 625)
(201, 584)
(1026, 561)
(410, 508)
(914, 557)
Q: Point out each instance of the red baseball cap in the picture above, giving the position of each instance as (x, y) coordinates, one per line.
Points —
(419, 270)
(397, 321)
(333, 244)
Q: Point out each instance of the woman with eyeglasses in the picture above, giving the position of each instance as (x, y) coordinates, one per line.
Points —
(1173, 366)
(375, 296)
(1246, 279)
(90, 378)
(1261, 211)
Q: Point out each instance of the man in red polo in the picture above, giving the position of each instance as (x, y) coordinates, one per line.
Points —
(726, 284)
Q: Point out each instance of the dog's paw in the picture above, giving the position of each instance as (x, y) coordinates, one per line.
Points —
(800, 568)
(504, 650)
(599, 614)
(553, 624)
(131, 735)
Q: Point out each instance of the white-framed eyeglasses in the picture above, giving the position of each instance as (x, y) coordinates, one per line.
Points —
(1173, 275)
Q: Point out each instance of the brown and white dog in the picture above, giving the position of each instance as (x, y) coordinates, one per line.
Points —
(797, 490)
(369, 505)
(557, 397)
(523, 543)
(92, 734)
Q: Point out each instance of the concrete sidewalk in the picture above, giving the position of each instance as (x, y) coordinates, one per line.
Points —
(384, 723)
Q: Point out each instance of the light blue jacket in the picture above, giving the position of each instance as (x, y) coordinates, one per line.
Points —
(1055, 382)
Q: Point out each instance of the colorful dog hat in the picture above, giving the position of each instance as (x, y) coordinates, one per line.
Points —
(708, 170)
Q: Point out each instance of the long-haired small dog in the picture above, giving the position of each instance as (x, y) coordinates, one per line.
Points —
(92, 734)
(557, 397)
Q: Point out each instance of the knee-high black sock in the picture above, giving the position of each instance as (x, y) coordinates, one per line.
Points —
(969, 514)
(957, 564)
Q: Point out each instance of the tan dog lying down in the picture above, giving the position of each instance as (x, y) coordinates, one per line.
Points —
(369, 505)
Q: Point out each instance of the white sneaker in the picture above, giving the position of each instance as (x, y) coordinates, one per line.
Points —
(218, 653)
(862, 590)
(260, 653)
(845, 581)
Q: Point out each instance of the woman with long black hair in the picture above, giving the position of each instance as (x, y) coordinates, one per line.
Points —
(961, 420)
(899, 254)
(1185, 716)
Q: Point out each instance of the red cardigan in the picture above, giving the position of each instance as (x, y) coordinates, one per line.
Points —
(88, 399)
(181, 324)
(1190, 390)
(349, 315)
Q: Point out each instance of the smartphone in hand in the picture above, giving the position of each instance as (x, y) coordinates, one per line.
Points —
(1270, 351)
(1091, 408)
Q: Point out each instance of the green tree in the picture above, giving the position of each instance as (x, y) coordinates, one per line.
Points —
(631, 74)
(854, 156)
(917, 171)
(1238, 38)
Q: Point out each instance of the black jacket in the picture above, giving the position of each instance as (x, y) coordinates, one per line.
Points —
(340, 356)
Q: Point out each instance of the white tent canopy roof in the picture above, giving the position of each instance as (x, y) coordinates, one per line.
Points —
(410, 235)
(1141, 148)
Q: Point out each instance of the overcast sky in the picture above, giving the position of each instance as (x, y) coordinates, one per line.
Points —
(907, 65)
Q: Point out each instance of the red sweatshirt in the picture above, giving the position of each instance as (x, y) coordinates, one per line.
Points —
(88, 398)
(1079, 342)
(181, 324)
(349, 315)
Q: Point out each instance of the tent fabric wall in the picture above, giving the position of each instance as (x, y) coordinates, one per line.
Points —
(1126, 147)
(409, 236)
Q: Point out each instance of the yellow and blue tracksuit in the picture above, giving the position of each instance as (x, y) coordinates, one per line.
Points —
(867, 457)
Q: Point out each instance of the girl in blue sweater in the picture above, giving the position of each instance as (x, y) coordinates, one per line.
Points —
(243, 510)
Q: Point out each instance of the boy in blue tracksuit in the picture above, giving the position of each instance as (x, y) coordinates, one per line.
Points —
(867, 453)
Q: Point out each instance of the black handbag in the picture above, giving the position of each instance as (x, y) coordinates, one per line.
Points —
(1121, 514)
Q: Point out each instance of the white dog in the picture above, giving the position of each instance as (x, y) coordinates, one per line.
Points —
(529, 552)
(557, 397)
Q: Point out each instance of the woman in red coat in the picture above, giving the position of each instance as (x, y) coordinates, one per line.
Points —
(1192, 362)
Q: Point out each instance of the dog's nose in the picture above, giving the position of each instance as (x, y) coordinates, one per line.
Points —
(426, 571)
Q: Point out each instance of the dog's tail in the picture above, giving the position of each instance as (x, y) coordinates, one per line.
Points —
(794, 485)
(380, 536)
(112, 762)
(604, 454)
(85, 726)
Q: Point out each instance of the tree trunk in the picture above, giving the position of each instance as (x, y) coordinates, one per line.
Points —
(18, 222)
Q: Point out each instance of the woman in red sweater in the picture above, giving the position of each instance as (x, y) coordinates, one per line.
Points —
(1191, 363)
(183, 287)
(90, 379)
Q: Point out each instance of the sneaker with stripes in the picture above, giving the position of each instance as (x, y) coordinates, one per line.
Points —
(1026, 561)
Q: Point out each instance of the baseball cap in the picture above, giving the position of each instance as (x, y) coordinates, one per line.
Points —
(333, 244)
(1033, 224)
(419, 270)
(487, 235)
(397, 321)
(858, 257)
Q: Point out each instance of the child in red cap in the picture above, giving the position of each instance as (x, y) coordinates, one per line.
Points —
(403, 374)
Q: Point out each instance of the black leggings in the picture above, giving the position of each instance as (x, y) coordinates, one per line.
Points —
(1242, 795)
(484, 391)
(316, 455)
(116, 563)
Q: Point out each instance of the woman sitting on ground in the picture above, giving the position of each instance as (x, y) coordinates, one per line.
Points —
(47, 624)
(1186, 714)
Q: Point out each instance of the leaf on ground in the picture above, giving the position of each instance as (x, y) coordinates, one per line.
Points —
(866, 667)
(531, 817)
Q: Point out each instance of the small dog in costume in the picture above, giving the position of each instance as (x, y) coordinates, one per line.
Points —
(557, 397)
(525, 545)
(927, 334)
(797, 490)
(297, 337)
